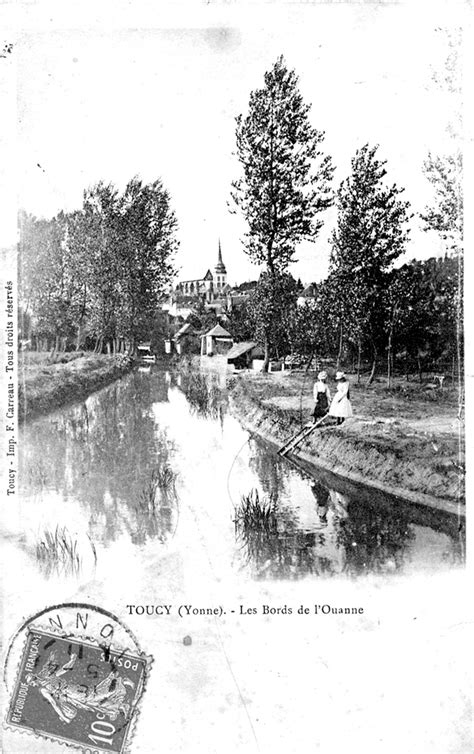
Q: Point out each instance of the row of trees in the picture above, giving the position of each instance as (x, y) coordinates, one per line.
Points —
(415, 328)
(416, 320)
(94, 276)
(367, 305)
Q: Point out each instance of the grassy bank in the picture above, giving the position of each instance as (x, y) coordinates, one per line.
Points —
(47, 384)
(407, 440)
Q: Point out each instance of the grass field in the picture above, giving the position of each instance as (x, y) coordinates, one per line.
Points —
(46, 384)
(429, 408)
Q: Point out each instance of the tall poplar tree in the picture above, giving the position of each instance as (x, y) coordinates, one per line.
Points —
(371, 234)
(286, 181)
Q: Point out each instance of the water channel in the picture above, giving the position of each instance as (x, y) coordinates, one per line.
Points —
(154, 475)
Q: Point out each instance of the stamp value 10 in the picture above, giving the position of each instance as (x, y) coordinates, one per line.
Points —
(76, 692)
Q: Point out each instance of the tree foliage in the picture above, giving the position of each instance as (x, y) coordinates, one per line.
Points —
(272, 307)
(240, 323)
(97, 273)
(445, 215)
(286, 180)
(416, 313)
(372, 232)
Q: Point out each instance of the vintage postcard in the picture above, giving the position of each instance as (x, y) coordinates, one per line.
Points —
(235, 377)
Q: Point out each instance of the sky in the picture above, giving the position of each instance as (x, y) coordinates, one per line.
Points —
(108, 103)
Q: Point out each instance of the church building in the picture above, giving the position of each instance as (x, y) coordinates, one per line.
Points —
(208, 288)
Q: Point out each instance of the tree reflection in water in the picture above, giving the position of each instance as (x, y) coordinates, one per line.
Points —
(279, 550)
(271, 469)
(347, 537)
(156, 508)
(262, 529)
(104, 453)
(206, 395)
(375, 541)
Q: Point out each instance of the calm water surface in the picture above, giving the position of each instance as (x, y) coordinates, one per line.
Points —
(154, 468)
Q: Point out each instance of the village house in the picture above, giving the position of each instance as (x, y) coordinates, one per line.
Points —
(246, 355)
(216, 342)
(307, 295)
(186, 340)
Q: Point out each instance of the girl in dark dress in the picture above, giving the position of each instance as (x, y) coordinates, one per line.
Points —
(322, 397)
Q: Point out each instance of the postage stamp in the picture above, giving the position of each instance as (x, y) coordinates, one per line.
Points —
(76, 691)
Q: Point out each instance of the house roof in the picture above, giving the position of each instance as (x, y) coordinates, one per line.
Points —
(309, 291)
(219, 332)
(184, 298)
(239, 297)
(240, 348)
(186, 329)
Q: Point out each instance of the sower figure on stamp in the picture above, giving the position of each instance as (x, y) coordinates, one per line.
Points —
(67, 697)
(341, 405)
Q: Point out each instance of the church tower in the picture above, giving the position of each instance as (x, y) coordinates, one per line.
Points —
(220, 270)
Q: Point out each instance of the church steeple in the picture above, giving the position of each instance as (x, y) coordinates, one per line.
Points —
(220, 266)
(220, 270)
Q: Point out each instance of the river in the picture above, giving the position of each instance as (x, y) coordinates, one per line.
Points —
(155, 472)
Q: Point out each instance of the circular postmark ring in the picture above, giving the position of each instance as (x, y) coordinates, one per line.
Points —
(55, 608)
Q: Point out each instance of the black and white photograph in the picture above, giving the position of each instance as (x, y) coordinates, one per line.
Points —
(234, 377)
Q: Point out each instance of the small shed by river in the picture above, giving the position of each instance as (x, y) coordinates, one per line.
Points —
(243, 355)
(186, 339)
(216, 342)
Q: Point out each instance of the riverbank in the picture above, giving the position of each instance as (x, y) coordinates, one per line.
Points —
(406, 442)
(45, 386)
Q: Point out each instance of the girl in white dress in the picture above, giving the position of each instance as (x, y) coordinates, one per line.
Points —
(341, 405)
